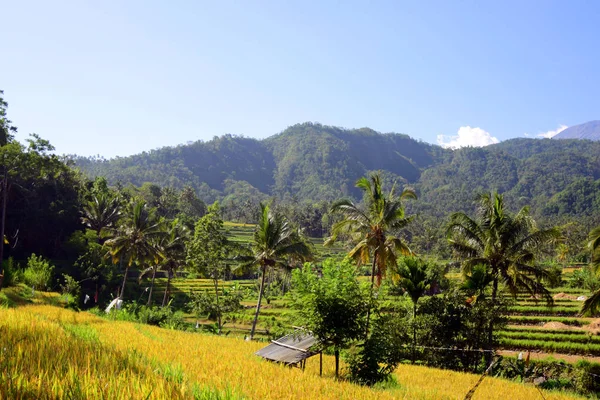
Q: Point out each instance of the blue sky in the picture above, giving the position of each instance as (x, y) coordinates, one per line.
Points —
(120, 77)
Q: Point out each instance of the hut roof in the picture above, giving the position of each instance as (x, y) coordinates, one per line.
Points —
(290, 349)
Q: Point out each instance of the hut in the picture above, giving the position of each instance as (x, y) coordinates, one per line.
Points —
(292, 350)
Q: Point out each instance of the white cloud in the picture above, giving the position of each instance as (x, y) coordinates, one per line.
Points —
(467, 136)
(550, 134)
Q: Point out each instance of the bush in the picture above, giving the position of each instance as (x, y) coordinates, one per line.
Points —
(72, 291)
(38, 273)
(374, 360)
(13, 274)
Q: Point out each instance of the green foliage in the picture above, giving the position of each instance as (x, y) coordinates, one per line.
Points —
(205, 305)
(374, 360)
(334, 306)
(38, 273)
(13, 274)
(72, 291)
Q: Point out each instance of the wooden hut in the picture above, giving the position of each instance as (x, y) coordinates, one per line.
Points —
(293, 349)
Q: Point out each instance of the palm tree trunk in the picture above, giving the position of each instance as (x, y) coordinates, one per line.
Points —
(371, 299)
(216, 283)
(260, 295)
(124, 280)
(3, 221)
(164, 302)
(491, 327)
(152, 285)
(414, 332)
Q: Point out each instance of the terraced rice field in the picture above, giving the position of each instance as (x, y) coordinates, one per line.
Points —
(115, 359)
(533, 326)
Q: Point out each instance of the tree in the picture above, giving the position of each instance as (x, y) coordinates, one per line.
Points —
(101, 212)
(208, 251)
(476, 283)
(373, 229)
(170, 244)
(133, 240)
(333, 307)
(174, 251)
(6, 130)
(275, 244)
(507, 245)
(413, 277)
(591, 305)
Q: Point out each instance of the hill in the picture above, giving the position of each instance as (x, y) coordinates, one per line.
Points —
(589, 130)
(311, 163)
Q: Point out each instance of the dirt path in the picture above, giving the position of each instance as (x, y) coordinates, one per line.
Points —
(570, 358)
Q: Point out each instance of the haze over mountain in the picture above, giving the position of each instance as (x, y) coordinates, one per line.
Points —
(589, 130)
(312, 162)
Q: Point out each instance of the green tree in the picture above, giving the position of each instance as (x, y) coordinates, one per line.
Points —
(173, 246)
(333, 307)
(133, 241)
(276, 244)
(591, 305)
(373, 229)
(506, 244)
(477, 282)
(209, 250)
(414, 278)
(100, 213)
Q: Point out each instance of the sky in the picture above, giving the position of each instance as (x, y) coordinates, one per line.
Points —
(115, 78)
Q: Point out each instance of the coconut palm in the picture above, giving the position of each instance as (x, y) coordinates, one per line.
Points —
(591, 305)
(174, 252)
(133, 241)
(373, 229)
(275, 242)
(507, 245)
(413, 278)
(170, 243)
(101, 212)
(477, 282)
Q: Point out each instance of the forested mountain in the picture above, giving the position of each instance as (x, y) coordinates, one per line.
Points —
(313, 162)
(589, 130)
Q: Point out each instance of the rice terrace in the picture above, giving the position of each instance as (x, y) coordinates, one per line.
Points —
(176, 223)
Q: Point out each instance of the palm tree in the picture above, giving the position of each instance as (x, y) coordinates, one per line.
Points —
(171, 244)
(101, 212)
(372, 229)
(174, 252)
(591, 305)
(477, 282)
(275, 242)
(507, 245)
(414, 279)
(133, 240)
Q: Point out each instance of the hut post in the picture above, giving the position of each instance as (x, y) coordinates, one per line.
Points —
(321, 363)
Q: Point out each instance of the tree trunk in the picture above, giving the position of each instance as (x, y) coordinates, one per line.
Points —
(337, 362)
(3, 222)
(164, 302)
(152, 285)
(260, 295)
(216, 283)
(414, 332)
(491, 327)
(371, 299)
(124, 280)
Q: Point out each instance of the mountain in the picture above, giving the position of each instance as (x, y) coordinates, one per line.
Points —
(313, 163)
(589, 130)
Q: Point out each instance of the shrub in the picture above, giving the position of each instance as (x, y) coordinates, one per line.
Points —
(38, 273)
(13, 274)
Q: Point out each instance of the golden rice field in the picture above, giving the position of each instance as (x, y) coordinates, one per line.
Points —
(52, 353)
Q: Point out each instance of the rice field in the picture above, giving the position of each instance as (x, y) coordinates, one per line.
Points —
(54, 353)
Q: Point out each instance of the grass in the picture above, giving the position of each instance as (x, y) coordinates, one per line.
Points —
(552, 346)
(51, 353)
(554, 337)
